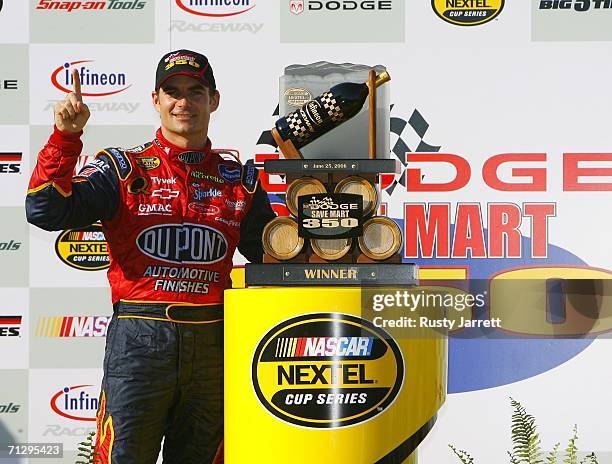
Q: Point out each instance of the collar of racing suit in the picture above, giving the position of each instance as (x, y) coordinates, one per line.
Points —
(173, 151)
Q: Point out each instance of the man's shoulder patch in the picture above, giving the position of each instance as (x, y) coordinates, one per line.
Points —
(120, 160)
(250, 175)
(140, 148)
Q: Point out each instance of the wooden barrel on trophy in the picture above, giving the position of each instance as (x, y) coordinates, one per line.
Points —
(302, 186)
(360, 186)
(381, 239)
(280, 238)
(331, 248)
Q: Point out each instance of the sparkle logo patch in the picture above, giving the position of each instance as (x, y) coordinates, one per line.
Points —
(327, 370)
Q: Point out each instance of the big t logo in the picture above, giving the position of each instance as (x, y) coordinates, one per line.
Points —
(95, 82)
(464, 244)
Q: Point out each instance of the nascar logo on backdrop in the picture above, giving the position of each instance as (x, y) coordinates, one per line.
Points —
(72, 326)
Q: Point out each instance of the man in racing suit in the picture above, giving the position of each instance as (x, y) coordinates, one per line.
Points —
(173, 212)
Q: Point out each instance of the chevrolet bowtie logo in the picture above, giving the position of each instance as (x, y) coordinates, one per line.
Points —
(165, 194)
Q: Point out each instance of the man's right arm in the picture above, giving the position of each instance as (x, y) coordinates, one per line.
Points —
(56, 200)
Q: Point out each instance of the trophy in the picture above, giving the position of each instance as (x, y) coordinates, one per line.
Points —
(306, 360)
(333, 234)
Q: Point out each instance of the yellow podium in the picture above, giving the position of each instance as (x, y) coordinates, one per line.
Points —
(308, 380)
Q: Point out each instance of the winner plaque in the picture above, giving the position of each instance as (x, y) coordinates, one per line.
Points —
(333, 235)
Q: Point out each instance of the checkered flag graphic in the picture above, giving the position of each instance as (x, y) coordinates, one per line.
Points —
(409, 134)
(331, 106)
(297, 126)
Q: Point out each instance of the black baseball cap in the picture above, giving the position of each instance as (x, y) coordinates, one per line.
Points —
(187, 63)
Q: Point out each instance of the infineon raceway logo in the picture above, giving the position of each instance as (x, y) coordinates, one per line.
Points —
(94, 82)
(468, 12)
(85, 249)
(72, 326)
(327, 370)
(216, 8)
(107, 5)
(79, 402)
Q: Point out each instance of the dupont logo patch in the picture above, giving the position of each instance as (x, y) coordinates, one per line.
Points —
(84, 249)
(468, 12)
(183, 243)
(327, 370)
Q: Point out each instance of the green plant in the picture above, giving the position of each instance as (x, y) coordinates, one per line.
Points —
(527, 446)
(88, 451)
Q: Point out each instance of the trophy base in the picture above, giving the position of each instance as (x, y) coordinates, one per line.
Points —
(332, 274)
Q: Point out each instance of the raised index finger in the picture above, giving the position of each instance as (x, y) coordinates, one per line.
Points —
(77, 85)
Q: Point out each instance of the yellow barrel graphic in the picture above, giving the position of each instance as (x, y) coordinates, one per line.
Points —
(280, 238)
(299, 187)
(309, 379)
(360, 186)
(331, 248)
(381, 239)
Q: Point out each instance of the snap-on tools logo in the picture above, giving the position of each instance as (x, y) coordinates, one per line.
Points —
(10, 326)
(79, 402)
(327, 370)
(183, 243)
(11, 245)
(94, 82)
(216, 8)
(72, 326)
(69, 7)
(10, 163)
(84, 249)
(468, 12)
(10, 408)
